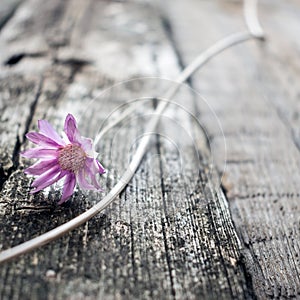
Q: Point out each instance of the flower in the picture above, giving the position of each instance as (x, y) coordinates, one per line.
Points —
(72, 157)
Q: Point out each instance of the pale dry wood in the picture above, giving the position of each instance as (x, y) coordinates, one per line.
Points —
(253, 91)
(7, 10)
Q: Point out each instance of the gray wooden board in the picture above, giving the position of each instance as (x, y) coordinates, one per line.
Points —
(170, 234)
(166, 236)
(253, 90)
(7, 10)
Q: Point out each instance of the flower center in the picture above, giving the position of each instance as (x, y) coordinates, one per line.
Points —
(71, 158)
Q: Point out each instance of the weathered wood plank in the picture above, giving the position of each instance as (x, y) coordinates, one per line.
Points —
(7, 10)
(254, 96)
(16, 91)
(170, 234)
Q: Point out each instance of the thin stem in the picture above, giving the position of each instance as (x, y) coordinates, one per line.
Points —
(251, 18)
(59, 231)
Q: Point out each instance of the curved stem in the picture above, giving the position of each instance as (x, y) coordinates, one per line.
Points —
(59, 231)
(251, 18)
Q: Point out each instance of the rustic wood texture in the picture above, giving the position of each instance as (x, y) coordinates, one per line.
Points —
(172, 233)
(253, 89)
(7, 10)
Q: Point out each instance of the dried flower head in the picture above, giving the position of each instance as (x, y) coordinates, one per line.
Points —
(72, 157)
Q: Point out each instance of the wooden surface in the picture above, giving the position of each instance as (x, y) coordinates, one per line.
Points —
(176, 232)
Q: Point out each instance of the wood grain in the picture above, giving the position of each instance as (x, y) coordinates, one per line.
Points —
(7, 10)
(252, 89)
(170, 234)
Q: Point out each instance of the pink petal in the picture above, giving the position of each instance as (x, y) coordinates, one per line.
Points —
(51, 173)
(40, 153)
(96, 183)
(101, 168)
(91, 170)
(42, 140)
(86, 143)
(41, 167)
(70, 128)
(83, 183)
(90, 166)
(94, 166)
(68, 189)
(50, 180)
(46, 129)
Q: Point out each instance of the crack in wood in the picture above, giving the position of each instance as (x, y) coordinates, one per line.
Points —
(16, 58)
(20, 139)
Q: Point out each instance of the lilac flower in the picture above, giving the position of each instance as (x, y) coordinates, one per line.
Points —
(72, 157)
